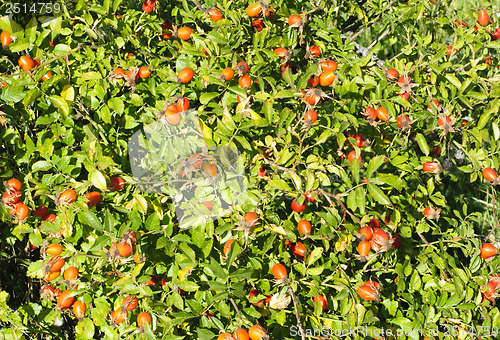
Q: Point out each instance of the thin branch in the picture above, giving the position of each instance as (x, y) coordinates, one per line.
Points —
(435, 242)
(198, 5)
(237, 311)
(88, 255)
(273, 164)
(402, 52)
(382, 36)
(375, 269)
(370, 24)
(479, 59)
(423, 238)
(326, 194)
(297, 314)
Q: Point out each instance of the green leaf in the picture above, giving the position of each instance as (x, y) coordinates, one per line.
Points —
(13, 94)
(68, 93)
(98, 180)
(243, 141)
(485, 117)
(268, 109)
(392, 180)
(284, 94)
(404, 323)
(310, 180)
(374, 164)
(9, 25)
(61, 104)
(324, 136)
(91, 76)
(188, 286)
(137, 270)
(315, 255)
(93, 221)
(215, 269)
(454, 80)
(31, 96)
(153, 222)
(351, 200)
(238, 90)
(361, 200)
(278, 184)
(30, 31)
(116, 4)
(188, 252)
(315, 271)
(422, 144)
(116, 104)
(51, 81)
(85, 329)
(207, 97)
(378, 194)
(297, 181)
(61, 49)
(41, 166)
(355, 170)
(19, 45)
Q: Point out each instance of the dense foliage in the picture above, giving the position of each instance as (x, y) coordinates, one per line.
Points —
(366, 133)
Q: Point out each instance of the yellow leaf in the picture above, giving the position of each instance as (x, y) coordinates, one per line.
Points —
(343, 242)
(182, 274)
(129, 205)
(205, 130)
(249, 113)
(143, 204)
(68, 93)
(276, 229)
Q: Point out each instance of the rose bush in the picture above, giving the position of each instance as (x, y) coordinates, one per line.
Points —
(367, 131)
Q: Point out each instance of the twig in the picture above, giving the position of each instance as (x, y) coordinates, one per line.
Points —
(375, 269)
(237, 311)
(273, 164)
(198, 5)
(400, 53)
(88, 255)
(382, 36)
(326, 194)
(370, 24)
(423, 238)
(363, 51)
(479, 59)
(297, 314)
(451, 240)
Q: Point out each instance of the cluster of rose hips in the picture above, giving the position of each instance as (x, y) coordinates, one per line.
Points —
(52, 270)
(372, 237)
(128, 304)
(134, 73)
(67, 298)
(11, 200)
(256, 332)
(172, 112)
(490, 291)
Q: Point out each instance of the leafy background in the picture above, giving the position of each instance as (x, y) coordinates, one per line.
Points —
(72, 131)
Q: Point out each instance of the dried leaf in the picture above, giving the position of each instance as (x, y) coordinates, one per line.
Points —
(280, 302)
(276, 229)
